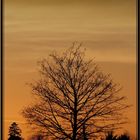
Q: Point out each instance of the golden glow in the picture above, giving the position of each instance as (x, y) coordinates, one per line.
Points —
(33, 29)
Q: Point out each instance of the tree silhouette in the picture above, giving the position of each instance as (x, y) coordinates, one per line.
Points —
(110, 136)
(124, 137)
(72, 92)
(14, 132)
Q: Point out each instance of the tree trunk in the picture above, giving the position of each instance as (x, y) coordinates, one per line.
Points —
(75, 119)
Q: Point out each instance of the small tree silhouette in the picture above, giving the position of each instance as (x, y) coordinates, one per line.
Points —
(124, 137)
(14, 132)
(110, 136)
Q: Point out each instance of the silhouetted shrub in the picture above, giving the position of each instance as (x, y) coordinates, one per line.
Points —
(110, 136)
(124, 137)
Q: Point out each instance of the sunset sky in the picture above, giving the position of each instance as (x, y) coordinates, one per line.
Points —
(33, 29)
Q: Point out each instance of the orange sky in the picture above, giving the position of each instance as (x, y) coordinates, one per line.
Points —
(33, 29)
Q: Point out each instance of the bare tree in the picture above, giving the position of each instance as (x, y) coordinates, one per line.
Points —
(74, 94)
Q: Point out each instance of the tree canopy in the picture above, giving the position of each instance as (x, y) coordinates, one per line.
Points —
(75, 99)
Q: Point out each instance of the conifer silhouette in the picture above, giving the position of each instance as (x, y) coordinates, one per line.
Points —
(14, 132)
